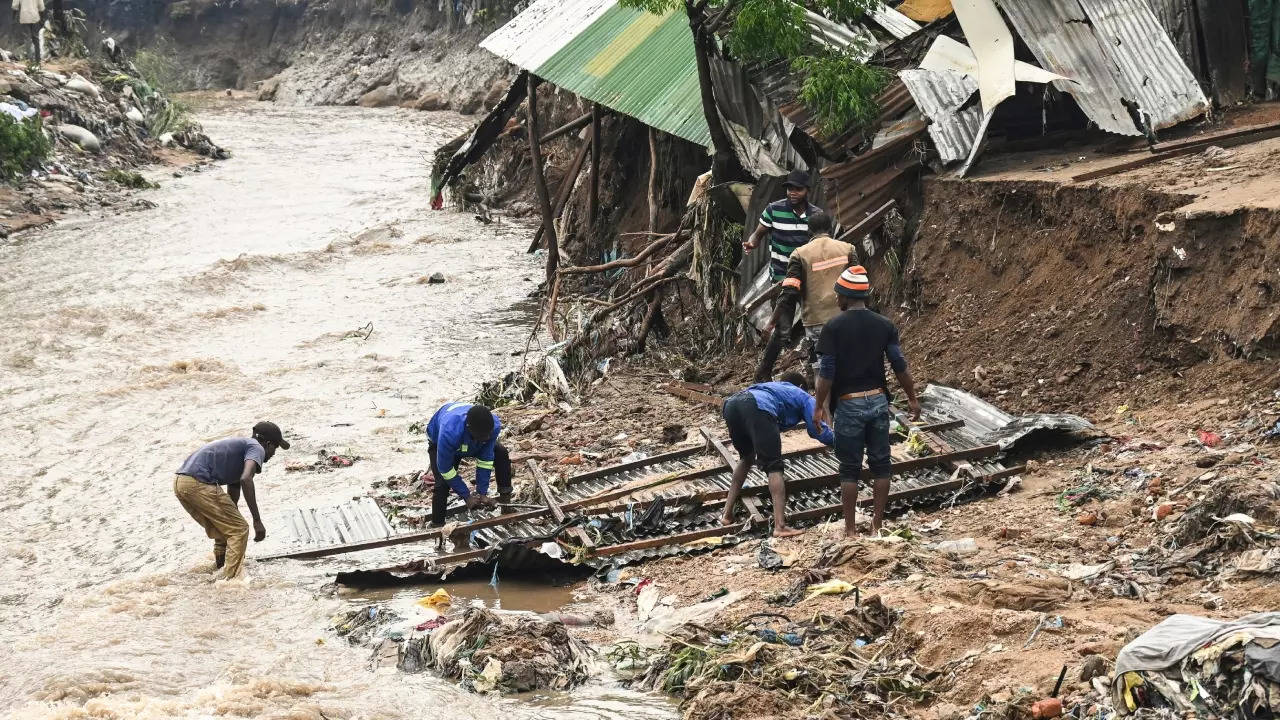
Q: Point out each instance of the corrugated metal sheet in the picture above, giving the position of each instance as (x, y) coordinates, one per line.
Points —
(636, 63)
(940, 96)
(986, 423)
(894, 22)
(1117, 52)
(1161, 82)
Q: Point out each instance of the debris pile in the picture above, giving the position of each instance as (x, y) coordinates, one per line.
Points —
(507, 653)
(1190, 666)
(852, 663)
(100, 120)
(486, 650)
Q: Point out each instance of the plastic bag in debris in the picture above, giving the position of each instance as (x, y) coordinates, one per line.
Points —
(830, 587)
(362, 625)
(436, 600)
(768, 558)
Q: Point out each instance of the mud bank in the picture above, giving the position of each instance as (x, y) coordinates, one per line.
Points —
(324, 53)
(1053, 295)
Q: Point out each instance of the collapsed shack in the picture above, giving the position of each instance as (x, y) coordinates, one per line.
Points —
(486, 651)
(635, 259)
(671, 504)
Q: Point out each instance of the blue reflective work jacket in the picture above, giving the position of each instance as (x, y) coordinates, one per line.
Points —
(791, 406)
(447, 431)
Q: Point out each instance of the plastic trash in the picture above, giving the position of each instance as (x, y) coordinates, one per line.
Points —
(81, 137)
(438, 599)
(963, 547)
(830, 587)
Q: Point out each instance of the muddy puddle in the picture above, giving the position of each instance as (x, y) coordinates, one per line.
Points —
(287, 283)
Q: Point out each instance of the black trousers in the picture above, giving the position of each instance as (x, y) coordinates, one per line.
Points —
(753, 432)
(787, 333)
(440, 492)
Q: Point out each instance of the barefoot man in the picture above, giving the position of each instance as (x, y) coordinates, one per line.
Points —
(851, 355)
(756, 417)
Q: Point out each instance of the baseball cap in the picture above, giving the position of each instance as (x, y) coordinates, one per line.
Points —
(270, 431)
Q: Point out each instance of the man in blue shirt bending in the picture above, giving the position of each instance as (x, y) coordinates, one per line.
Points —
(460, 430)
(756, 418)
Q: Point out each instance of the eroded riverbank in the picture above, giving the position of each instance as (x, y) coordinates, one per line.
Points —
(247, 293)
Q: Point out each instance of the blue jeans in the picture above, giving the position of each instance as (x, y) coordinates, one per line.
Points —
(862, 427)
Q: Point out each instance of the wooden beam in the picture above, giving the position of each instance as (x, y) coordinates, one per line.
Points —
(553, 506)
(547, 496)
(593, 201)
(540, 183)
(694, 395)
(718, 446)
(664, 540)
(565, 129)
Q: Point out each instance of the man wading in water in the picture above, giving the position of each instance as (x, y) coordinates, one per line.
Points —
(232, 462)
(851, 354)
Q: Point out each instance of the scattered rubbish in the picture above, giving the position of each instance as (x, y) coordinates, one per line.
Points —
(1209, 439)
(768, 558)
(1047, 708)
(325, 460)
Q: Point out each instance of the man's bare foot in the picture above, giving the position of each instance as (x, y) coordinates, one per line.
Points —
(726, 520)
(783, 531)
(851, 535)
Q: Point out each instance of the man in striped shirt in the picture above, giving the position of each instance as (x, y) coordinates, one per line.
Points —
(787, 224)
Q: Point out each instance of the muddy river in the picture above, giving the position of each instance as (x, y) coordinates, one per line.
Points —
(248, 293)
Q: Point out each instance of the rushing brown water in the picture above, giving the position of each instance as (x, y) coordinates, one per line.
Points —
(131, 340)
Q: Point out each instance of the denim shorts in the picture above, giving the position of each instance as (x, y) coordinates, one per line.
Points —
(862, 427)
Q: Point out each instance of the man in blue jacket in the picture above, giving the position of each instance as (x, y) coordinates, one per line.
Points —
(462, 430)
(756, 418)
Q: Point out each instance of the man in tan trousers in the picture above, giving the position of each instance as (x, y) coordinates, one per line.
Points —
(231, 462)
(811, 272)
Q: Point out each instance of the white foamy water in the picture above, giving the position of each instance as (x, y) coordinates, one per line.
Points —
(131, 340)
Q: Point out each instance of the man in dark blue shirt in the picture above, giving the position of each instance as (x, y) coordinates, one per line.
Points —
(852, 350)
(756, 417)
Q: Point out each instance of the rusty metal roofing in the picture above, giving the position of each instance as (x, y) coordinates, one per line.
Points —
(634, 62)
(1116, 52)
(942, 97)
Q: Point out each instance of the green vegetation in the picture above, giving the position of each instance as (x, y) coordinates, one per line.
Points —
(160, 75)
(23, 146)
(130, 179)
(838, 88)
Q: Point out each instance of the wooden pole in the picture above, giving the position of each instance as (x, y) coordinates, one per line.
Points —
(564, 191)
(593, 203)
(653, 179)
(648, 320)
(540, 183)
(567, 128)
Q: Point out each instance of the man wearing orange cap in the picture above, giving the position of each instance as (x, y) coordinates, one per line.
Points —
(852, 350)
